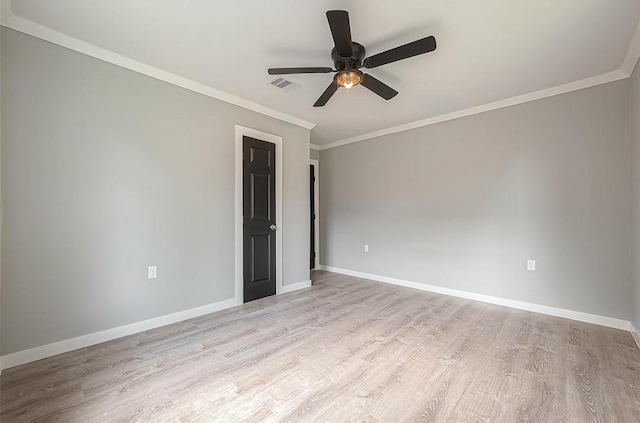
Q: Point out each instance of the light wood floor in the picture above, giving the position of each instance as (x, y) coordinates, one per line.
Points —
(344, 350)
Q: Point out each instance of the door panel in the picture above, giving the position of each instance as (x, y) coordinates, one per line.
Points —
(260, 201)
(260, 267)
(259, 210)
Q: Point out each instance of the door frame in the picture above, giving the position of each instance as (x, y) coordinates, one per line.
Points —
(241, 132)
(316, 201)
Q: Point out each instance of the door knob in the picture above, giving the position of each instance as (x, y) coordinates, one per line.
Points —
(273, 227)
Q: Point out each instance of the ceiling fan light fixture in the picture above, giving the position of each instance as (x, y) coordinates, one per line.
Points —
(349, 78)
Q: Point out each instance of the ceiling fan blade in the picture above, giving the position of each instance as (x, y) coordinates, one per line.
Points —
(380, 88)
(341, 31)
(326, 95)
(287, 71)
(415, 48)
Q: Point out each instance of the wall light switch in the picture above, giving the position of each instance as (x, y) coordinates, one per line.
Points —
(366, 248)
(152, 272)
(531, 265)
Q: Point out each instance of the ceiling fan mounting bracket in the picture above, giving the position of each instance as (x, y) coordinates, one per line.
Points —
(353, 62)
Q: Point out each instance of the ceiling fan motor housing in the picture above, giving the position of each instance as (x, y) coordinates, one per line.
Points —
(353, 62)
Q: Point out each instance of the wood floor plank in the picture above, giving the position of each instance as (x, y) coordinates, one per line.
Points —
(346, 349)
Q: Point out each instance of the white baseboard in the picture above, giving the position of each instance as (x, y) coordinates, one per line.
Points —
(295, 286)
(44, 351)
(520, 305)
(49, 350)
(635, 334)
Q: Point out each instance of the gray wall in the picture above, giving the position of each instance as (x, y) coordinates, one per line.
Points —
(463, 204)
(106, 171)
(635, 133)
(314, 154)
(0, 193)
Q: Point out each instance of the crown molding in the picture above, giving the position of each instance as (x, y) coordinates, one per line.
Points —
(525, 98)
(9, 20)
(633, 53)
(626, 70)
(35, 30)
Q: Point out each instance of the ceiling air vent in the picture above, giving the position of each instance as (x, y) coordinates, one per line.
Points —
(284, 85)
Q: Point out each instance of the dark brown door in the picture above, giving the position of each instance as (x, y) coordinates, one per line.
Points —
(312, 188)
(259, 198)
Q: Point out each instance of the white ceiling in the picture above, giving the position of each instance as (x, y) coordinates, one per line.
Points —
(487, 50)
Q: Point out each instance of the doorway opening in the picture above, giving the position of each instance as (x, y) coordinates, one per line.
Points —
(258, 208)
(314, 221)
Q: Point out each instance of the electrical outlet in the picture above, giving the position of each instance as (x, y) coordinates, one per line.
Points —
(531, 265)
(152, 272)
(366, 248)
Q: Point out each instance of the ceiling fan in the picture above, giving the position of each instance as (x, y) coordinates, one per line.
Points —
(349, 57)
